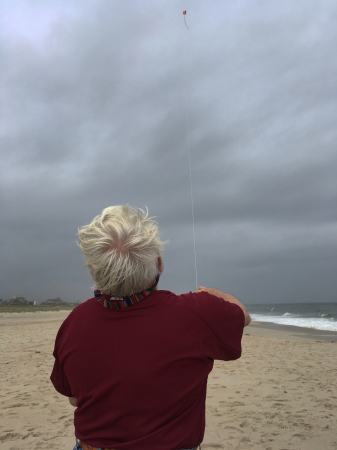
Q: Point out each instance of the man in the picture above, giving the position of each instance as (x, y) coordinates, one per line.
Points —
(134, 360)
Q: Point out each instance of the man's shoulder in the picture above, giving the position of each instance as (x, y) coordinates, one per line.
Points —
(207, 306)
(83, 309)
(219, 323)
(84, 306)
(198, 302)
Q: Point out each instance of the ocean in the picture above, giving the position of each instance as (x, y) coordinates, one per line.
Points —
(320, 316)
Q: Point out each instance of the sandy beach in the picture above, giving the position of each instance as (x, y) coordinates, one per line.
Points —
(281, 394)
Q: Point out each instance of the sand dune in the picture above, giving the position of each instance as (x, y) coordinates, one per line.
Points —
(280, 395)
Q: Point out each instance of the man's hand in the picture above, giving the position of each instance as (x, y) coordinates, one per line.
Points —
(73, 401)
(227, 298)
(211, 291)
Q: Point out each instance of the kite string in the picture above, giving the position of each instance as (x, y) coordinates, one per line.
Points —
(189, 159)
(191, 184)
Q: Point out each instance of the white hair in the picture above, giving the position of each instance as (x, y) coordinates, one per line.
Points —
(121, 248)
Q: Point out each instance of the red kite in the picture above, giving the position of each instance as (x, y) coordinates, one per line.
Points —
(184, 12)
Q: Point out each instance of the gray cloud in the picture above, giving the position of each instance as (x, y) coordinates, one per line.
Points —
(93, 113)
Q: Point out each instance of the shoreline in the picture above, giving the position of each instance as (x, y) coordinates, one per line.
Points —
(304, 332)
(301, 332)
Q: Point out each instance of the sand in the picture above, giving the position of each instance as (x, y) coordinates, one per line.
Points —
(280, 395)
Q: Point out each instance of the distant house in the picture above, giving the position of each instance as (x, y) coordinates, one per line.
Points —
(16, 300)
(58, 302)
(34, 303)
(54, 302)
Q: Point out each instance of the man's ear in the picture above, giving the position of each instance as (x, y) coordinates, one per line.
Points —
(160, 264)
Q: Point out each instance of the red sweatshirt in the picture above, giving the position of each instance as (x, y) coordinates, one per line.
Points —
(140, 373)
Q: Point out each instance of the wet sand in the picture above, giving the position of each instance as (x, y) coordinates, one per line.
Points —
(280, 395)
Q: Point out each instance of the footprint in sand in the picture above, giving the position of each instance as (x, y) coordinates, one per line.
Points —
(10, 437)
(214, 446)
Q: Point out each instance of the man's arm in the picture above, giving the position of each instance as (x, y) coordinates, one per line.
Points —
(228, 298)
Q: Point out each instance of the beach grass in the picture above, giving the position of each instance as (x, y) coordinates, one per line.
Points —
(31, 308)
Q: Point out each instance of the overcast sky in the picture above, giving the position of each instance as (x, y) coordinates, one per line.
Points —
(94, 98)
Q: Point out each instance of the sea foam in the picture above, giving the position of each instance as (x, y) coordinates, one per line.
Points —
(318, 323)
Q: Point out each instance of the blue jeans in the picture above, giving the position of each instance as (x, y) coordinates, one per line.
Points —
(78, 447)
